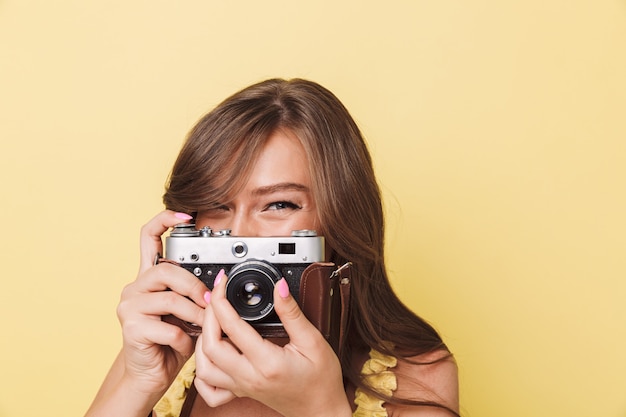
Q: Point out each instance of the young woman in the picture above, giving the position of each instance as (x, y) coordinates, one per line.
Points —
(275, 157)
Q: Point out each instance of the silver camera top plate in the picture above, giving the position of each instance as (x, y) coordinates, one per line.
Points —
(191, 246)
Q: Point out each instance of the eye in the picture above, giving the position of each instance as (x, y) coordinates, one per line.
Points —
(282, 205)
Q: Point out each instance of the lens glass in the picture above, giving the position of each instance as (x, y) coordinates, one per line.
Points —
(251, 294)
(250, 288)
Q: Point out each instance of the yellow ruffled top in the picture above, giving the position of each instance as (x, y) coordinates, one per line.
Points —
(171, 404)
(376, 371)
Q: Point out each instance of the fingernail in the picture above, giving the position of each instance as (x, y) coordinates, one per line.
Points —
(283, 288)
(183, 216)
(218, 278)
(207, 297)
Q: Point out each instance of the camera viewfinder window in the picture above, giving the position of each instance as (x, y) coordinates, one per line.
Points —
(287, 248)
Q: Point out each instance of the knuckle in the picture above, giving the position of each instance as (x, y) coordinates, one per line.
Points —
(145, 230)
(207, 347)
(122, 309)
(201, 370)
(270, 370)
(199, 287)
(205, 370)
(291, 311)
(119, 311)
(174, 333)
(199, 316)
(168, 299)
(160, 270)
(127, 291)
(164, 273)
(268, 374)
(130, 329)
(213, 401)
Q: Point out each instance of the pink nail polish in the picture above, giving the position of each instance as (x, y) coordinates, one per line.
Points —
(218, 278)
(207, 297)
(283, 288)
(183, 216)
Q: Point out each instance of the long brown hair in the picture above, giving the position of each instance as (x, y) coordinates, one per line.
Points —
(218, 156)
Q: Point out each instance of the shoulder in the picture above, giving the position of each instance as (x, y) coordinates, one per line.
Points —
(428, 377)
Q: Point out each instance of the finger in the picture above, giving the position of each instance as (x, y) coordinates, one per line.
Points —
(302, 333)
(211, 330)
(166, 276)
(218, 361)
(159, 304)
(151, 332)
(213, 396)
(241, 334)
(150, 237)
(208, 371)
(214, 346)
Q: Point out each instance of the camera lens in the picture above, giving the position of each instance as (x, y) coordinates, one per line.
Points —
(250, 288)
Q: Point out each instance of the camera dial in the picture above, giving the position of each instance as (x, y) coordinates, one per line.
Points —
(304, 233)
(185, 230)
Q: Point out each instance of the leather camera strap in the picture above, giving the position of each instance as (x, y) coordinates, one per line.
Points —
(344, 275)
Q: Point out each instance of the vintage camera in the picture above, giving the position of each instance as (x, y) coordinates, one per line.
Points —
(253, 266)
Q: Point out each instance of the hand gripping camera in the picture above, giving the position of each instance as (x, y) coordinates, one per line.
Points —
(253, 266)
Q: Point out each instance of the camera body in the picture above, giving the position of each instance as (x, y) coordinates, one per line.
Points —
(253, 266)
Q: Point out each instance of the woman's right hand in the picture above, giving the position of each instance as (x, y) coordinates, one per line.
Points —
(153, 350)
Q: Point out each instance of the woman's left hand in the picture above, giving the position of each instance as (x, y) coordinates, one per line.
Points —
(300, 379)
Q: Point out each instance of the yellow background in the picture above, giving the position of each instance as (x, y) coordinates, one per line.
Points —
(498, 131)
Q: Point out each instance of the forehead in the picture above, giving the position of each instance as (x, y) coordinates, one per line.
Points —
(282, 159)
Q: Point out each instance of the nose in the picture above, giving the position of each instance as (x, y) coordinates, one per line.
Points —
(243, 225)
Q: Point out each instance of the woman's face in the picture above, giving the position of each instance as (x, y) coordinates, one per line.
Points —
(277, 198)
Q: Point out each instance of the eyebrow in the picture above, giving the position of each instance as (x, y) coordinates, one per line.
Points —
(283, 186)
